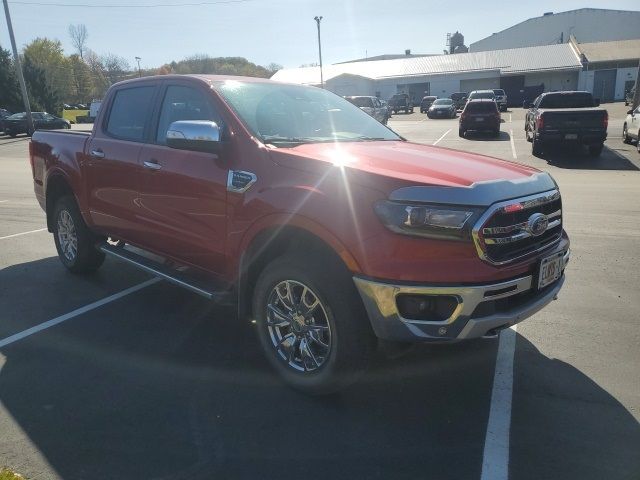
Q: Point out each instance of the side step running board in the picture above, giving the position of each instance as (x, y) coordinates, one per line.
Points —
(167, 273)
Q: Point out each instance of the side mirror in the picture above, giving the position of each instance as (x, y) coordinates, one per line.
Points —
(596, 101)
(630, 112)
(195, 135)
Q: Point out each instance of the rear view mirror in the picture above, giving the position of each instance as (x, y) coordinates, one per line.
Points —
(195, 135)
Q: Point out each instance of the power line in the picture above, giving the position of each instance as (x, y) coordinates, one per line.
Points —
(121, 5)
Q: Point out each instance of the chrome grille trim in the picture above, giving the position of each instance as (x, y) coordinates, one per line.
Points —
(527, 203)
(523, 225)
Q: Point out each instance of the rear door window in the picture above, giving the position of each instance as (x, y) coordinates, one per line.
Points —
(130, 111)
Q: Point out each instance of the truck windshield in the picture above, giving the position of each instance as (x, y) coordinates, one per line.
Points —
(565, 100)
(287, 115)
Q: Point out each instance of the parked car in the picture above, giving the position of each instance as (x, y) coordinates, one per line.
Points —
(482, 94)
(386, 105)
(426, 102)
(628, 97)
(442, 108)
(401, 101)
(17, 123)
(460, 99)
(501, 99)
(370, 105)
(325, 227)
(631, 127)
(480, 115)
(570, 118)
(3, 114)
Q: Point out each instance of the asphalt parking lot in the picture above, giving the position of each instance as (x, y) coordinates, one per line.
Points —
(159, 383)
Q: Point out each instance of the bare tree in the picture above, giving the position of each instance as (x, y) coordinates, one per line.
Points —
(79, 35)
(114, 67)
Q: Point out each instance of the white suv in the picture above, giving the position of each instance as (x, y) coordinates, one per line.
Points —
(501, 99)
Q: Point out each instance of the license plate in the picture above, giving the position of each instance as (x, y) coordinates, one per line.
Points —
(479, 119)
(571, 136)
(550, 269)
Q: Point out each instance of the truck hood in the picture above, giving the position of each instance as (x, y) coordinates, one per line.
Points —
(410, 163)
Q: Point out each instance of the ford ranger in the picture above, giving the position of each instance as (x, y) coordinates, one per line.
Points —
(323, 226)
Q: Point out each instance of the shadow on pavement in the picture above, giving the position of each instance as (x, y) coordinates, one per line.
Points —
(565, 426)
(162, 384)
(487, 136)
(579, 159)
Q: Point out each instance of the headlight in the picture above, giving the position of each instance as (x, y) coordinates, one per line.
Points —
(434, 221)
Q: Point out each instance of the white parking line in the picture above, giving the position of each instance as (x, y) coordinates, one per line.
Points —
(495, 461)
(509, 118)
(23, 233)
(63, 318)
(513, 145)
(4, 201)
(443, 135)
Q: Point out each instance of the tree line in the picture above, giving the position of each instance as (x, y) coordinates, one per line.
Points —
(53, 78)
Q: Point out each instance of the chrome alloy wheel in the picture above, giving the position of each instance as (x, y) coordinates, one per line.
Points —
(298, 326)
(67, 235)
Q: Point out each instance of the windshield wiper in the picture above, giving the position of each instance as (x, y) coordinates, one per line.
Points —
(281, 139)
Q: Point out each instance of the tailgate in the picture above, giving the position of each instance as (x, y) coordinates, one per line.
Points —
(576, 119)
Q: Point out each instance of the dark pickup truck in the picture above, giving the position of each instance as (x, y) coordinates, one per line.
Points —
(566, 118)
(401, 101)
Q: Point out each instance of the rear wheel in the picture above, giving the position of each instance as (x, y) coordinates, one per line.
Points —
(536, 147)
(496, 133)
(311, 324)
(625, 134)
(595, 150)
(461, 132)
(74, 241)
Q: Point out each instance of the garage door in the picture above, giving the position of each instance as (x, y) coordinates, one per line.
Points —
(479, 84)
(604, 85)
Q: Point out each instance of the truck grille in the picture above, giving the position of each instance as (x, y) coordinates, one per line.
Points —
(514, 229)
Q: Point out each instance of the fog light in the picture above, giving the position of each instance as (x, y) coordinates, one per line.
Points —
(434, 308)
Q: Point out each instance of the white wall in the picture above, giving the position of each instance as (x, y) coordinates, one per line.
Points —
(623, 76)
(350, 85)
(587, 25)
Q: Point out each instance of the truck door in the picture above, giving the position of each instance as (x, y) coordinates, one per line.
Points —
(183, 193)
(112, 171)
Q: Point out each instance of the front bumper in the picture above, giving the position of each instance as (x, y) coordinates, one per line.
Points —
(481, 310)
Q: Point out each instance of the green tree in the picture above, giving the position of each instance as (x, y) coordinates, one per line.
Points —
(42, 97)
(10, 97)
(48, 56)
(82, 84)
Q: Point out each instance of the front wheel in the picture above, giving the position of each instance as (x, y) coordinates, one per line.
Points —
(74, 241)
(311, 324)
(536, 147)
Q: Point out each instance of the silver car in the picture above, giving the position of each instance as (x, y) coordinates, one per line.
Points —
(372, 106)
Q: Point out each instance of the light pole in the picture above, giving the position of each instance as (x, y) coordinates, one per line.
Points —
(16, 58)
(318, 19)
(139, 72)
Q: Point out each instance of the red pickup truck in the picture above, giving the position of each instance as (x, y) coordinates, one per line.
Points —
(324, 226)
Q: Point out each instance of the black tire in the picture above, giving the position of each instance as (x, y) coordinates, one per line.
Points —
(11, 133)
(536, 147)
(595, 150)
(461, 132)
(496, 133)
(86, 258)
(625, 134)
(351, 340)
(638, 142)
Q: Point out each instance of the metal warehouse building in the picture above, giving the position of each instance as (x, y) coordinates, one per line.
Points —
(604, 68)
(520, 71)
(585, 24)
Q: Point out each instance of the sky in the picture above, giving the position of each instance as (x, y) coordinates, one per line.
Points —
(266, 31)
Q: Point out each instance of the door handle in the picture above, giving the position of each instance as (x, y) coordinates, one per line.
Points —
(152, 165)
(97, 153)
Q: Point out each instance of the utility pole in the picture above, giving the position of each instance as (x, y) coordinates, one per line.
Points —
(318, 19)
(139, 71)
(16, 59)
(636, 96)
